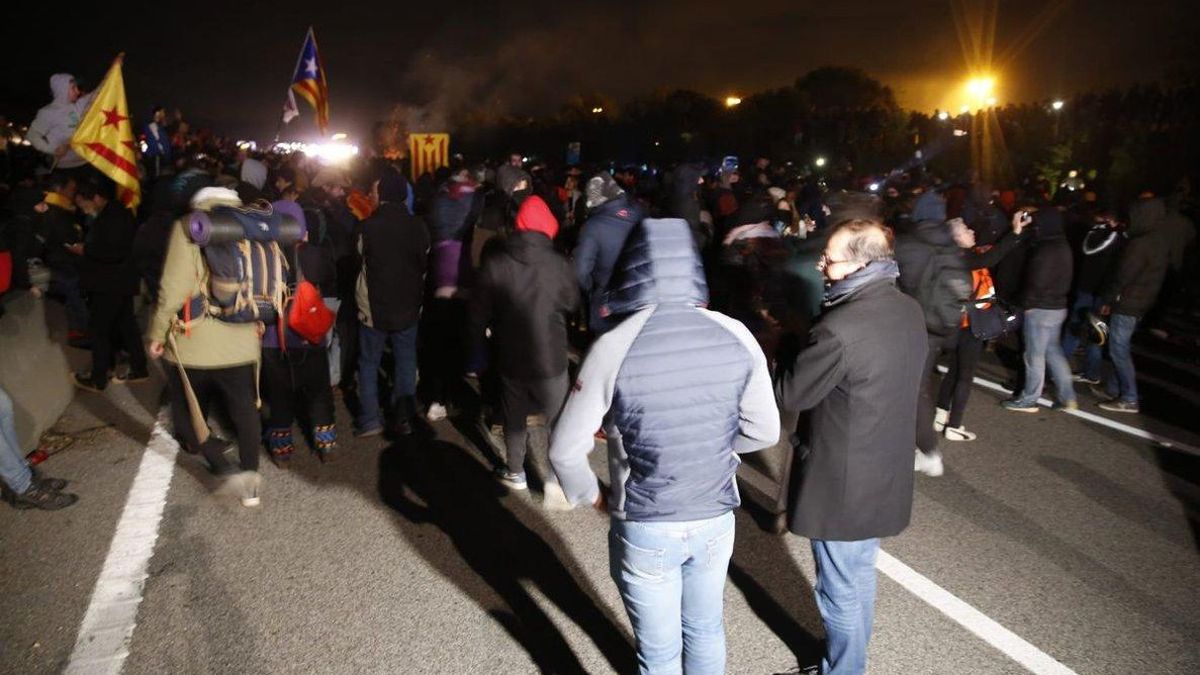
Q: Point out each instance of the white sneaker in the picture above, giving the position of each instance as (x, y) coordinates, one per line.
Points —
(436, 412)
(930, 465)
(553, 497)
(940, 418)
(251, 481)
(958, 434)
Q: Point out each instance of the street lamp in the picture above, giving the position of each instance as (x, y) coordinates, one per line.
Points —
(733, 101)
(1057, 105)
(943, 115)
(820, 161)
(597, 110)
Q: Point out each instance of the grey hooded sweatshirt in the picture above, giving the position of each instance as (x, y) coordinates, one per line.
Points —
(55, 123)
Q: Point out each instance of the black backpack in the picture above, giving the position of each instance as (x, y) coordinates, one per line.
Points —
(944, 291)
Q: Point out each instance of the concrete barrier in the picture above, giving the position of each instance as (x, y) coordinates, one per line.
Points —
(35, 363)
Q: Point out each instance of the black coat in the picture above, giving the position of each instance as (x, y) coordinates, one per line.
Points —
(395, 253)
(107, 265)
(524, 292)
(1142, 266)
(861, 380)
(58, 228)
(1048, 272)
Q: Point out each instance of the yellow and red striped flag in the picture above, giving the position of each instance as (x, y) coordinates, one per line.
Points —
(428, 153)
(104, 137)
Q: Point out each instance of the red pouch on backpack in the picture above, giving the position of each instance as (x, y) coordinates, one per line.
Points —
(308, 315)
(6, 269)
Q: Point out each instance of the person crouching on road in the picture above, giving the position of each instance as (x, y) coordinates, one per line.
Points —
(862, 384)
(685, 389)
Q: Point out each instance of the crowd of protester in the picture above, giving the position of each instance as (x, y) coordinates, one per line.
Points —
(680, 316)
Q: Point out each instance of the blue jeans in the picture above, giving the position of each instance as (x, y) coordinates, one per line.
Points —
(13, 469)
(66, 284)
(1076, 324)
(404, 370)
(1043, 348)
(1120, 336)
(846, 598)
(671, 576)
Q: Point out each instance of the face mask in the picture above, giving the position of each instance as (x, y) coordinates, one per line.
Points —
(519, 196)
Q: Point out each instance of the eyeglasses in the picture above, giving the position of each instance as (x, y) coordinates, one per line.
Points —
(825, 261)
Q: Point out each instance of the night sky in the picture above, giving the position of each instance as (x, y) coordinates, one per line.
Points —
(227, 64)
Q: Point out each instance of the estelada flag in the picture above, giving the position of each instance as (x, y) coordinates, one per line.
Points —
(104, 137)
(428, 153)
(309, 80)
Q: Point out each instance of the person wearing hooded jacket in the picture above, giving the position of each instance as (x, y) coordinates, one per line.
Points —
(51, 131)
(612, 216)
(862, 385)
(391, 284)
(682, 390)
(1129, 294)
(932, 270)
(524, 293)
(1044, 292)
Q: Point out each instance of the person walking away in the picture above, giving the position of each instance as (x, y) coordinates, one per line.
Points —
(108, 275)
(862, 385)
(1095, 261)
(932, 271)
(51, 130)
(295, 372)
(524, 293)
(1129, 294)
(686, 390)
(611, 216)
(1044, 298)
(980, 252)
(395, 250)
(22, 487)
(218, 358)
(157, 156)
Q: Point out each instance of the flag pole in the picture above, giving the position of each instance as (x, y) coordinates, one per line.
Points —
(299, 58)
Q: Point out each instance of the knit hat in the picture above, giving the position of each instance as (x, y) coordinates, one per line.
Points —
(602, 188)
(393, 187)
(254, 172)
(535, 216)
(508, 177)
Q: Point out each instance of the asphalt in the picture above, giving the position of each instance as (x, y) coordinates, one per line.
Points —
(408, 558)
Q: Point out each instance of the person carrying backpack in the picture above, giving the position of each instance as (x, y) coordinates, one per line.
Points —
(210, 356)
(295, 368)
(933, 272)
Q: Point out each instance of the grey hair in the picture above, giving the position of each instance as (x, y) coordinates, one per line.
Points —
(869, 241)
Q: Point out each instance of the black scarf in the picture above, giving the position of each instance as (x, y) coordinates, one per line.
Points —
(874, 271)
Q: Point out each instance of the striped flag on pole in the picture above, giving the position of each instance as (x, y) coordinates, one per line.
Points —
(309, 80)
(428, 153)
(104, 137)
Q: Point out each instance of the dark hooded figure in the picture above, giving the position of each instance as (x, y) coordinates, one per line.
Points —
(612, 216)
(685, 202)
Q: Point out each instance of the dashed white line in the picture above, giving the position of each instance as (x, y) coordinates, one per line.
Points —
(103, 641)
(1012, 645)
(1097, 419)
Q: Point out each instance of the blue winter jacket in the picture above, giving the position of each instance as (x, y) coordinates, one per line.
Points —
(680, 390)
(600, 243)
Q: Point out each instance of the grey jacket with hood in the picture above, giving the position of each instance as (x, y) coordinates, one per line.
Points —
(55, 123)
(680, 390)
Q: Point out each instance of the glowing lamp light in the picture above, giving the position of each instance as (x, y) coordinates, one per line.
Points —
(873, 187)
(338, 137)
(981, 87)
(820, 161)
(960, 132)
(733, 101)
(1072, 173)
(1057, 105)
(991, 101)
(965, 109)
(943, 115)
(597, 110)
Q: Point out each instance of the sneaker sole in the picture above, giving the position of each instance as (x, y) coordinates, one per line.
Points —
(251, 502)
(1024, 410)
(1121, 410)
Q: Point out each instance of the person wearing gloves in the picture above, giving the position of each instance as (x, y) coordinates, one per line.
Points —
(684, 389)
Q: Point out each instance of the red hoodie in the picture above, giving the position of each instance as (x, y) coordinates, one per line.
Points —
(535, 216)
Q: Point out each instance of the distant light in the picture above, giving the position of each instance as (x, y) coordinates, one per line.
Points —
(960, 132)
(991, 101)
(597, 110)
(338, 137)
(1072, 173)
(820, 161)
(733, 101)
(657, 143)
(965, 109)
(335, 152)
(145, 146)
(981, 87)
(1057, 105)
(943, 115)
(524, 160)
(873, 187)
(247, 145)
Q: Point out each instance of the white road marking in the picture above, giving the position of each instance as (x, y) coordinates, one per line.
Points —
(1012, 645)
(1097, 419)
(103, 642)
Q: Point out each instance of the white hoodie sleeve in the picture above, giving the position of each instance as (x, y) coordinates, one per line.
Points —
(758, 412)
(591, 397)
(38, 130)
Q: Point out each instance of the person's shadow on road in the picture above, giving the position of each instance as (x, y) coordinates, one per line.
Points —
(432, 482)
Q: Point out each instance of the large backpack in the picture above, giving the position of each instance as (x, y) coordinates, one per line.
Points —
(246, 269)
(944, 291)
